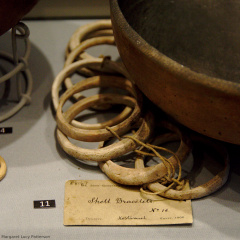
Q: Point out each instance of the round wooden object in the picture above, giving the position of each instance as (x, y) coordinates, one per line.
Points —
(185, 57)
(3, 168)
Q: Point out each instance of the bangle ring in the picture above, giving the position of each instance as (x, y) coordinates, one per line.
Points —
(112, 151)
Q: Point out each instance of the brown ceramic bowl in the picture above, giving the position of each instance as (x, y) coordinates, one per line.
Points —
(11, 11)
(185, 57)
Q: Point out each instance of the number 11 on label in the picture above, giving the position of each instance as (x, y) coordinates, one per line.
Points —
(44, 204)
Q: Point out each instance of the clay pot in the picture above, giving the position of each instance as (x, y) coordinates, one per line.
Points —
(11, 11)
(184, 56)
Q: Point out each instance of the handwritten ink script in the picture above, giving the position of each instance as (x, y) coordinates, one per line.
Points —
(103, 202)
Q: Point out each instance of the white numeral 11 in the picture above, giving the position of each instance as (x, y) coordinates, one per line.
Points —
(46, 204)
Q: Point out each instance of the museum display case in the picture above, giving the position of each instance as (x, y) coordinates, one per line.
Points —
(40, 165)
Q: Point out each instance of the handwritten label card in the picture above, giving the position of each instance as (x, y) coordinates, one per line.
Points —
(104, 202)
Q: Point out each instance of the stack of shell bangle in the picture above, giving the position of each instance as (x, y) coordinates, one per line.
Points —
(134, 128)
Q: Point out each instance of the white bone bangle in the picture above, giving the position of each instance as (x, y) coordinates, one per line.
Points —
(97, 33)
(92, 30)
(66, 72)
(130, 176)
(84, 55)
(110, 66)
(70, 69)
(198, 192)
(102, 28)
(98, 81)
(98, 40)
(63, 120)
(3, 168)
(80, 34)
(104, 81)
(112, 151)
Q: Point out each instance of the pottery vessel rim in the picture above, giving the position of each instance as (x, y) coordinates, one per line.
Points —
(168, 64)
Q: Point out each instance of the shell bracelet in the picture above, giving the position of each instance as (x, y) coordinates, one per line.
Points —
(161, 179)
(139, 176)
(198, 192)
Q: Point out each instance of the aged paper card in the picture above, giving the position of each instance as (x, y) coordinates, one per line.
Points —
(103, 202)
